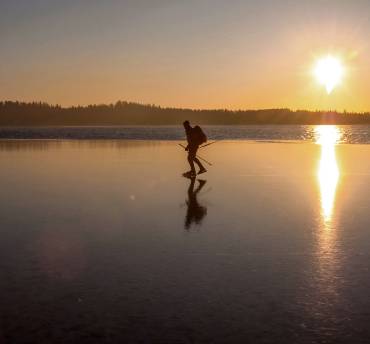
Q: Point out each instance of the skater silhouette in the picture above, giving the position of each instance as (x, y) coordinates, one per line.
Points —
(195, 137)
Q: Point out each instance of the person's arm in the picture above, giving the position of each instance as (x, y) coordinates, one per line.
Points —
(187, 139)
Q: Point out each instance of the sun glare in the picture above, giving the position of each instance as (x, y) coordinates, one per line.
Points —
(329, 72)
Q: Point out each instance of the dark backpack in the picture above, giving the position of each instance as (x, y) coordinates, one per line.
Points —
(199, 136)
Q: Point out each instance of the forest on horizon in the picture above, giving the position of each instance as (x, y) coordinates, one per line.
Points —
(15, 113)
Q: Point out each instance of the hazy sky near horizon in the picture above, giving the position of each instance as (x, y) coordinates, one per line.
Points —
(194, 53)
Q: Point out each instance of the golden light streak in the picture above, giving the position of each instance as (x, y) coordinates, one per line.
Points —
(328, 172)
(328, 246)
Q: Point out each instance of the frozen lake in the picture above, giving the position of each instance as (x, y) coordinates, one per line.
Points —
(105, 241)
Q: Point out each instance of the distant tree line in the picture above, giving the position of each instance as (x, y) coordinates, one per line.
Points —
(14, 113)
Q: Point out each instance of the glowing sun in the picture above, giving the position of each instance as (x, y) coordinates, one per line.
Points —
(329, 72)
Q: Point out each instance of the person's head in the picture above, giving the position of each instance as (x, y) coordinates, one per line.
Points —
(186, 124)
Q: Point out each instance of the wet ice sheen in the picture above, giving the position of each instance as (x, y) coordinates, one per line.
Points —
(94, 244)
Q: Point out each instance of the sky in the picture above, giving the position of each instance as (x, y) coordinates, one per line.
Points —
(234, 54)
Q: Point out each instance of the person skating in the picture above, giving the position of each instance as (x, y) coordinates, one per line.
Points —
(195, 137)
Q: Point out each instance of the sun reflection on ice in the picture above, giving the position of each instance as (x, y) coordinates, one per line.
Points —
(328, 246)
(328, 172)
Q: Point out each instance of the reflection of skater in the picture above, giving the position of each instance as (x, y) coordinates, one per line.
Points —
(195, 137)
(195, 212)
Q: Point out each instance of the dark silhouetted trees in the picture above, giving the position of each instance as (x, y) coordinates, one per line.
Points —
(14, 113)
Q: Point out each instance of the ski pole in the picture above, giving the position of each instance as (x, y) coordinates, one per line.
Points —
(208, 144)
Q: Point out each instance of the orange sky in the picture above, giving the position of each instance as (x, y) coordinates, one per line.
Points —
(198, 54)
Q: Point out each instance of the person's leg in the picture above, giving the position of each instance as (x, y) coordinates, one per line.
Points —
(197, 161)
(191, 158)
(201, 167)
